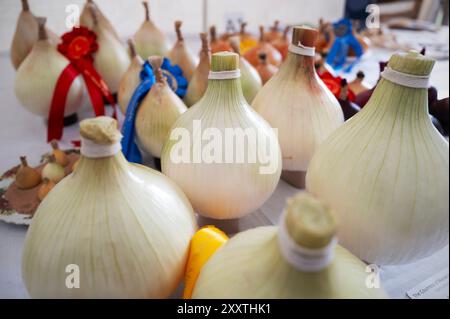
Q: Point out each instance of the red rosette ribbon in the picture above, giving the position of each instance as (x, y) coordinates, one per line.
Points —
(333, 83)
(78, 46)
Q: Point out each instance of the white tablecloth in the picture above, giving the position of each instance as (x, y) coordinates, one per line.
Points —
(21, 133)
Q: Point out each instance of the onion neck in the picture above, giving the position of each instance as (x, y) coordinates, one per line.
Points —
(103, 166)
(226, 93)
(302, 64)
(402, 102)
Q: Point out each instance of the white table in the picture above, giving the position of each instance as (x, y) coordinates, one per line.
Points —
(22, 133)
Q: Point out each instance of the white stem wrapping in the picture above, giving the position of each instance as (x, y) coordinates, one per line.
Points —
(300, 49)
(408, 80)
(94, 150)
(301, 258)
(224, 75)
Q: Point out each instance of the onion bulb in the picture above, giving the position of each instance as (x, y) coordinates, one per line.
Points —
(207, 147)
(130, 80)
(123, 228)
(385, 173)
(271, 262)
(274, 32)
(250, 80)
(199, 81)
(26, 35)
(273, 56)
(38, 74)
(358, 85)
(87, 20)
(149, 39)
(180, 54)
(217, 45)
(111, 59)
(52, 170)
(265, 70)
(26, 176)
(298, 103)
(45, 188)
(158, 111)
(60, 156)
(282, 43)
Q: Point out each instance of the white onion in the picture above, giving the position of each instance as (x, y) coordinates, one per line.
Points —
(216, 188)
(385, 173)
(119, 230)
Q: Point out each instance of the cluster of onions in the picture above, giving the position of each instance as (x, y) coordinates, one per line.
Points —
(111, 59)
(199, 137)
(124, 226)
(149, 39)
(265, 70)
(298, 259)
(273, 56)
(199, 81)
(53, 171)
(181, 55)
(250, 79)
(87, 20)
(217, 45)
(26, 35)
(131, 79)
(385, 171)
(38, 74)
(158, 111)
(299, 105)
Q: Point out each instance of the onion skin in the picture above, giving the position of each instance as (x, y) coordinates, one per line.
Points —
(218, 45)
(298, 104)
(223, 106)
(111, 60)
(38, 74)
(157, 113)
(181, 55)
(26, 35)
(265, 70)
(88, 21)
(125, 226)
(199, 81)
(130, 80)
(26, 176)
(385, 173)
(149, 39)
(273, 56)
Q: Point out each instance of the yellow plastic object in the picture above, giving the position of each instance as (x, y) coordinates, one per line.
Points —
(204, 244)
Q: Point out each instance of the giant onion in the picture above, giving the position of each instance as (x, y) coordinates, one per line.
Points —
(223, 155)
(122, 229)
(298, 104)
(271, 262)
(385, 171)
(181, 55)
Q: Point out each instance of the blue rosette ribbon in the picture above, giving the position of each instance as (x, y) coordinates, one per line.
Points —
(175, 80)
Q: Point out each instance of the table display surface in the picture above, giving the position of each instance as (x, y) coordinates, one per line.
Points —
(22, 133)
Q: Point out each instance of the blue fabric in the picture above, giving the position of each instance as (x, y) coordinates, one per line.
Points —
(175, 79)
(337, 57)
